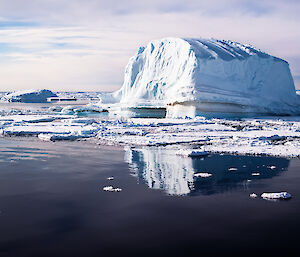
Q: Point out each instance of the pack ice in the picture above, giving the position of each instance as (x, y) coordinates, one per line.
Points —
(193, 77)
(29, 96)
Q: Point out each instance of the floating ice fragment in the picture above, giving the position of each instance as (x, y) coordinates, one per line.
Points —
(192, 153)
(255, 174)
(271, 167)
(110, 178)
(232, 169)
(281, 195)
(112, 189)
(253, 195)
(108, 188)
(203, 175)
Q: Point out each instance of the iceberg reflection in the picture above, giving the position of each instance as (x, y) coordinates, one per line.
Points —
(161, 168)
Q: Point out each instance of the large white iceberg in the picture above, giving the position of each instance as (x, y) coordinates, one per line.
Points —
(198, 76)
(29, 96)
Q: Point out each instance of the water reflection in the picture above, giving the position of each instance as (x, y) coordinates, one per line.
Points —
(161, 168)
(13, 154)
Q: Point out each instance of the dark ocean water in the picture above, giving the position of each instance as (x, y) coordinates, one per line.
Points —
(52, 204)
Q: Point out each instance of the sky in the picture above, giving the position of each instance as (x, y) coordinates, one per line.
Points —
(75, 45)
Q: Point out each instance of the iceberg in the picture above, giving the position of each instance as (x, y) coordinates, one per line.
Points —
(191, 77)
(29, 96)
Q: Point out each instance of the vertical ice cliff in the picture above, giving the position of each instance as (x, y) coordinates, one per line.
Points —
(198, 76)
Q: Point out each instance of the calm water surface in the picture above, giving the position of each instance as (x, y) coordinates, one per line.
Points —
(52, 202)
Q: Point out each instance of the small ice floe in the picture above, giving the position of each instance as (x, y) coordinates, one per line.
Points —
(249, 180)
(253, 195)
(71, 109)
(281, 195)
(73, 135)
(255, 174)
(111, 189)
(202, 175)
(272, 167)
(233, 169)
(110, 178)
(192, 153)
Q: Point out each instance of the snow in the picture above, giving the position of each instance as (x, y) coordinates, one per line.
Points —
(29, 96)
(191, 77)
(281, 195)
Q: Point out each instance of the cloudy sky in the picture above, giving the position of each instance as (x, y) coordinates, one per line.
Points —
(81, 45)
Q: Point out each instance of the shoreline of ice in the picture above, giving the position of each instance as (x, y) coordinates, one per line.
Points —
(272, 136)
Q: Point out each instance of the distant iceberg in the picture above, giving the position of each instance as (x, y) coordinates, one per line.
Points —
(191, 77)
(29, 96)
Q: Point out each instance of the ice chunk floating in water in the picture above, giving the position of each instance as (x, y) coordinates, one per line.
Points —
(253, 195)
(206, 76)
(111, 189)
(202, 175)
(281, 195)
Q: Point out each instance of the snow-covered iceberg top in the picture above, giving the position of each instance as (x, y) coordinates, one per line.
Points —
(196, 76)
(29, 96)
